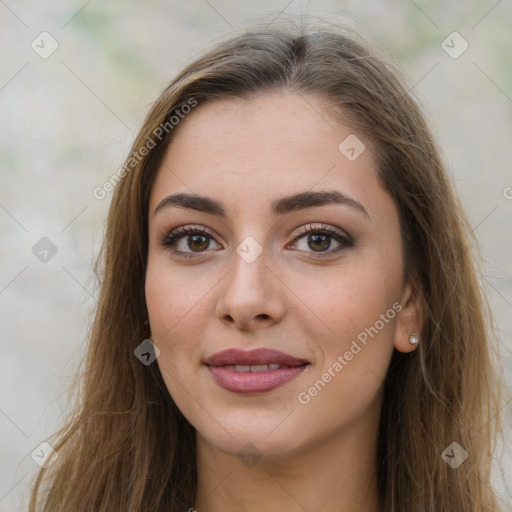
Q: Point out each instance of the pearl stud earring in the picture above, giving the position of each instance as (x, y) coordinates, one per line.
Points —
(413, 339)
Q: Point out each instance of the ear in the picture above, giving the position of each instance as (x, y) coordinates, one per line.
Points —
(408, 320)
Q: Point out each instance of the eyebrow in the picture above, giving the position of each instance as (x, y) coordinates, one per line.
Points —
(280, 206)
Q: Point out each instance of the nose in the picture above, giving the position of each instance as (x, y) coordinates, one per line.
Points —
(250, 296)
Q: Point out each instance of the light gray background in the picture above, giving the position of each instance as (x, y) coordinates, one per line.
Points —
(67, 122)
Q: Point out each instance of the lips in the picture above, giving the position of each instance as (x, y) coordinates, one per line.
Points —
(254, 371)
(256, 357)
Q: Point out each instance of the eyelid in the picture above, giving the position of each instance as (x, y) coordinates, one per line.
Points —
(307, 228)
(189, 229)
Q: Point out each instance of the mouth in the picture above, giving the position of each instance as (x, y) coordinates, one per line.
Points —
(256, 371)
(254, 359)
(257, 368)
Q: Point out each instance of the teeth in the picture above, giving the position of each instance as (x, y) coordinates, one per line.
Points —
(259, 368)
(242, 368)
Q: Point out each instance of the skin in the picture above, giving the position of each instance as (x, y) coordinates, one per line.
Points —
(246, 154)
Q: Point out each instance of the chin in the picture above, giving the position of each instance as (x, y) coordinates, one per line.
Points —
(250, 441)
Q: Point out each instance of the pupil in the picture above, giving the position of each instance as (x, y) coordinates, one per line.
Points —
(195, 239)
(323, 238)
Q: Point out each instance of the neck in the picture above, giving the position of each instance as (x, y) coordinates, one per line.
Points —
(336, 475)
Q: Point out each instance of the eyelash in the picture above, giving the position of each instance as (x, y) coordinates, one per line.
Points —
(170, 240)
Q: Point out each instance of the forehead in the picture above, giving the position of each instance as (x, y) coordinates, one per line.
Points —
(250, 152)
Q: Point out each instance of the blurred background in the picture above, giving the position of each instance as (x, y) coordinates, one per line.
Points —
(76, 80)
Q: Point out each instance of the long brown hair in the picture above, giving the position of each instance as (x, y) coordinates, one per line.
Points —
(128, 447)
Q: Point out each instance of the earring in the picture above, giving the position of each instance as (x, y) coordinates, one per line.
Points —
(413, 339)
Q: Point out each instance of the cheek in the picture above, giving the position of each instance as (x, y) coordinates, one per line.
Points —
(168, 301)
(358, 310)
(172, 296)
(347, 381)
(353, 298)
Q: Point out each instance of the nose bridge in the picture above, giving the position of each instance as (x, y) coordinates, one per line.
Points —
(249, 290)
(248, 262)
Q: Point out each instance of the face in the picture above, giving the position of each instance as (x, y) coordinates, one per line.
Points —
(318, 278)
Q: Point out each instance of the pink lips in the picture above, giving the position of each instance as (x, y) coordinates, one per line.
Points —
(222, 367)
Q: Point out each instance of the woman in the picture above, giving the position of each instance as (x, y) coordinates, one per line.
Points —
(290, 316)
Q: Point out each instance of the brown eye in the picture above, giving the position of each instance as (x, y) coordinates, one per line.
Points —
(319, 240)
(197, 242)
(185, 241)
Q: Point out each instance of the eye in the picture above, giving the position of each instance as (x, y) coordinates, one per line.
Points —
(188, 241)
(320, 239)
(197, 239)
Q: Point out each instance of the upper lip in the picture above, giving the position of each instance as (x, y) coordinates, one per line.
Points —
(234, 356)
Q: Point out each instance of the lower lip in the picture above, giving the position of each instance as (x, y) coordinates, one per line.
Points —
(253, 382)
